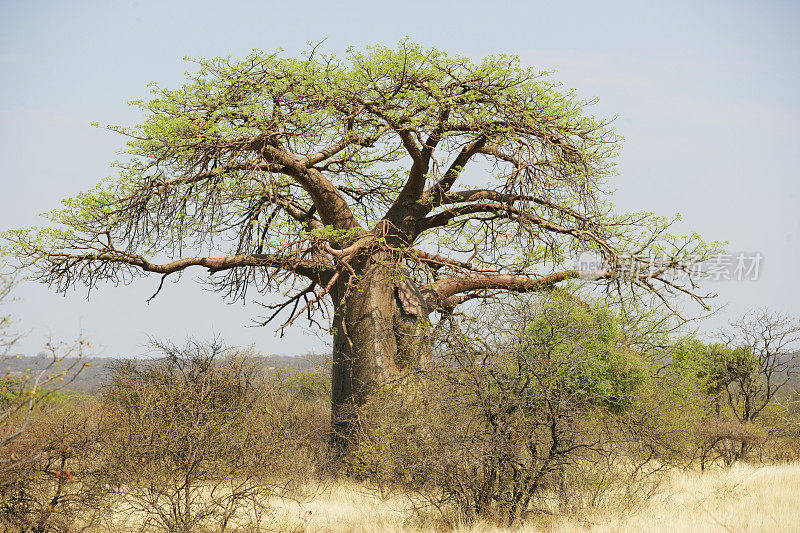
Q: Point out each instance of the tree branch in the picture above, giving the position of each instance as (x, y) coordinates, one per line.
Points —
(509, 211)
(452, 173)
(213, 264)
(438, 293)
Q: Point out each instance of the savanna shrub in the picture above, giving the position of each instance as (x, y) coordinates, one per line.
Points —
(512, 402)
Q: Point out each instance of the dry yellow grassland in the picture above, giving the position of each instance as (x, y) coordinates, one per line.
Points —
(744, 498)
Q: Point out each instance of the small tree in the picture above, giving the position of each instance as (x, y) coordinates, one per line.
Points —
(185, 445)
(737, 379)
(762, 357)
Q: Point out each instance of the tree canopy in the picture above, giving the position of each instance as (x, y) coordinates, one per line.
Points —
(287, 174)
(584, 350)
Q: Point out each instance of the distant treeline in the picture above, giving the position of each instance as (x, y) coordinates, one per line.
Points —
(97, 371)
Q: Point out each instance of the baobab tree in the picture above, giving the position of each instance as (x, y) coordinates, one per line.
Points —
(372, 190)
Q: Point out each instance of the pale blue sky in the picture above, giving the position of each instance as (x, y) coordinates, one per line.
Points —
(704, 92)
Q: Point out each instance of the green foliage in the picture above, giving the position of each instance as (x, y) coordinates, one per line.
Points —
(226, 100)
(583, 345)
(710, 369)
(16, 390)
(306, 386)
(721, 365)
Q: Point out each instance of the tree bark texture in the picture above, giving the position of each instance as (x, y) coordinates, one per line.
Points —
(376, 342)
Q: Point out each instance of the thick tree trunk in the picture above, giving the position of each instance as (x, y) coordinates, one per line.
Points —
(376, 341)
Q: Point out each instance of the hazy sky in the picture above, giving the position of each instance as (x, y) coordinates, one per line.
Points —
(705, 94)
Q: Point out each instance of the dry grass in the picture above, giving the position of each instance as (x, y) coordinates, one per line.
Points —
(344, 507)
(744, 498)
